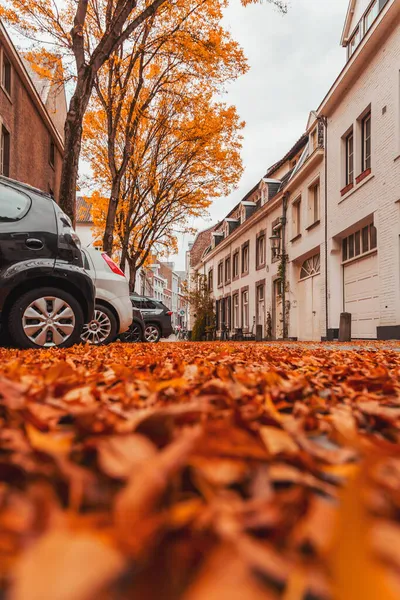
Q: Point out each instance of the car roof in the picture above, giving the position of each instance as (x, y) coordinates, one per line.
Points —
(24, 186)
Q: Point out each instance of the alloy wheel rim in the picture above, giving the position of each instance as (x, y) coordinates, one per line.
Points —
(133, 335)
(97, 331)
(151, 333)
(48, 321)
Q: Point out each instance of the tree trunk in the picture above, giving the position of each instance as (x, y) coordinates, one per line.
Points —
(132, 273)
(108, 239)
(72, 145)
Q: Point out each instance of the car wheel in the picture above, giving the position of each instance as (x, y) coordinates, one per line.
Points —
(102, 329)
(44, 318)
(133, 335)
(152, 333)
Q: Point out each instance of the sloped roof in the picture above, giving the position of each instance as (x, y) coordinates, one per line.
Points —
(83, 210)
(301, 142)
(202, 241)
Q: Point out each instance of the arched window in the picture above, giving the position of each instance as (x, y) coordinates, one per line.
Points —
(310, 267)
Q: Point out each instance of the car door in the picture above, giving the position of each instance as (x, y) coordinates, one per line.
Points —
(28, 231)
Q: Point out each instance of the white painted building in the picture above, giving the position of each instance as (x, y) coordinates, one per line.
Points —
(332, 205)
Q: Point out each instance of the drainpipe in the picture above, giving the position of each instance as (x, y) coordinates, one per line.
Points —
(324, 120)
(285, 202)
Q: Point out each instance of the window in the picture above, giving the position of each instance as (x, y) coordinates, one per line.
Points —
(243, 214)
(371, 16)
(220, 273)
(353, 43)
(52, 153)
(366, 143)
(228, 269)
(236, 311)
(210, 280)
(313, 203)
(349, 158)
(310, 267)
(6, 73)
(314, 139)
(296, 217)
(245, 309)
(245, 259)
(5, 152)
(260, 250)
(260, 304)
(13, 205)
(359, 242)
(236, 265)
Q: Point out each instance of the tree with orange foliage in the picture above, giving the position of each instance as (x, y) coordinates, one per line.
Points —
(87, 33)
(191, 52)
(186, 152)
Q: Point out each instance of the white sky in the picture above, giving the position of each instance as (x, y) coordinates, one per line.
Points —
(293, 59)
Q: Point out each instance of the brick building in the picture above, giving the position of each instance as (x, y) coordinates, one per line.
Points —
(32, 117)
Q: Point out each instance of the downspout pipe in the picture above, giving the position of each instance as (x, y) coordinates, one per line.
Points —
(285, 202)
(324, 120)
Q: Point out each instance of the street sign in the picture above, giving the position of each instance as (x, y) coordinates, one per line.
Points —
(182, 312)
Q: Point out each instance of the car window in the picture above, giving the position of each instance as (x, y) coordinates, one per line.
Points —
(137, 302)
(13, 204)
(150, 304)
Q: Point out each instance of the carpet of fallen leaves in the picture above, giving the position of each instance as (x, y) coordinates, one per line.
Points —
(200, 472)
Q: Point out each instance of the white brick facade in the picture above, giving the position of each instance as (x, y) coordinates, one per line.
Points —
(363, 277)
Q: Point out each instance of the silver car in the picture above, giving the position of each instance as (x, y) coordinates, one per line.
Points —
(113, 310)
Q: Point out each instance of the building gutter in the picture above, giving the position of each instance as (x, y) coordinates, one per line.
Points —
(325, 122)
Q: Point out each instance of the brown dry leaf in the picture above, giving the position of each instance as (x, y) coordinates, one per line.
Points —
(225, 576)
(119, 455)
(278, 441)
(55, 442)
(65, 565)
(138, 499)
(356, 573)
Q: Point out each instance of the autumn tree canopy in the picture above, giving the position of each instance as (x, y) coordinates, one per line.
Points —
(86, 33)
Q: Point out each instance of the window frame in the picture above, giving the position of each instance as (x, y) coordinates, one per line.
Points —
(245, 248)
(245, 309)
(4, 60)
(314, 201)
(210, 280)
(349, 243)
(227, 269)
(366, 160)
(5, 136)
(356, 36)
(52, 153)
(261, 245)
(349, 174)
(236, 311)
(374, 5)
(296, 217)
(220, 273)
(236, 259)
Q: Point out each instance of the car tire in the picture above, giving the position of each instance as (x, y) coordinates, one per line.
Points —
(134, 335)
(152, 333)
(102, 329)
(30, 327)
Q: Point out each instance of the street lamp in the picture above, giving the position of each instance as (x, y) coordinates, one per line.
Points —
(275, 240)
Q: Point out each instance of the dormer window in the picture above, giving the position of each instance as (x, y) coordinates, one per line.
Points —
(226, 230)
(314, 139)
(371, 15)
(242, 214)
(353, 43)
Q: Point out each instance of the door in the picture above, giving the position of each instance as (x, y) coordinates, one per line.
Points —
(309, 308)
(277, 310)
(361, 296)
(27, 228)
(260, 308)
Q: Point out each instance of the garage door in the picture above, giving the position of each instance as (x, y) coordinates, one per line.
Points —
(361, 296)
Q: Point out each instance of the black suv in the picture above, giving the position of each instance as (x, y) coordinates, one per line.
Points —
(156, 315)
(135, 332)
(46, 296)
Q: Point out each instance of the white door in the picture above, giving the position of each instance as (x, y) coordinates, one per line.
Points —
(309, 308)
(361, 296)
